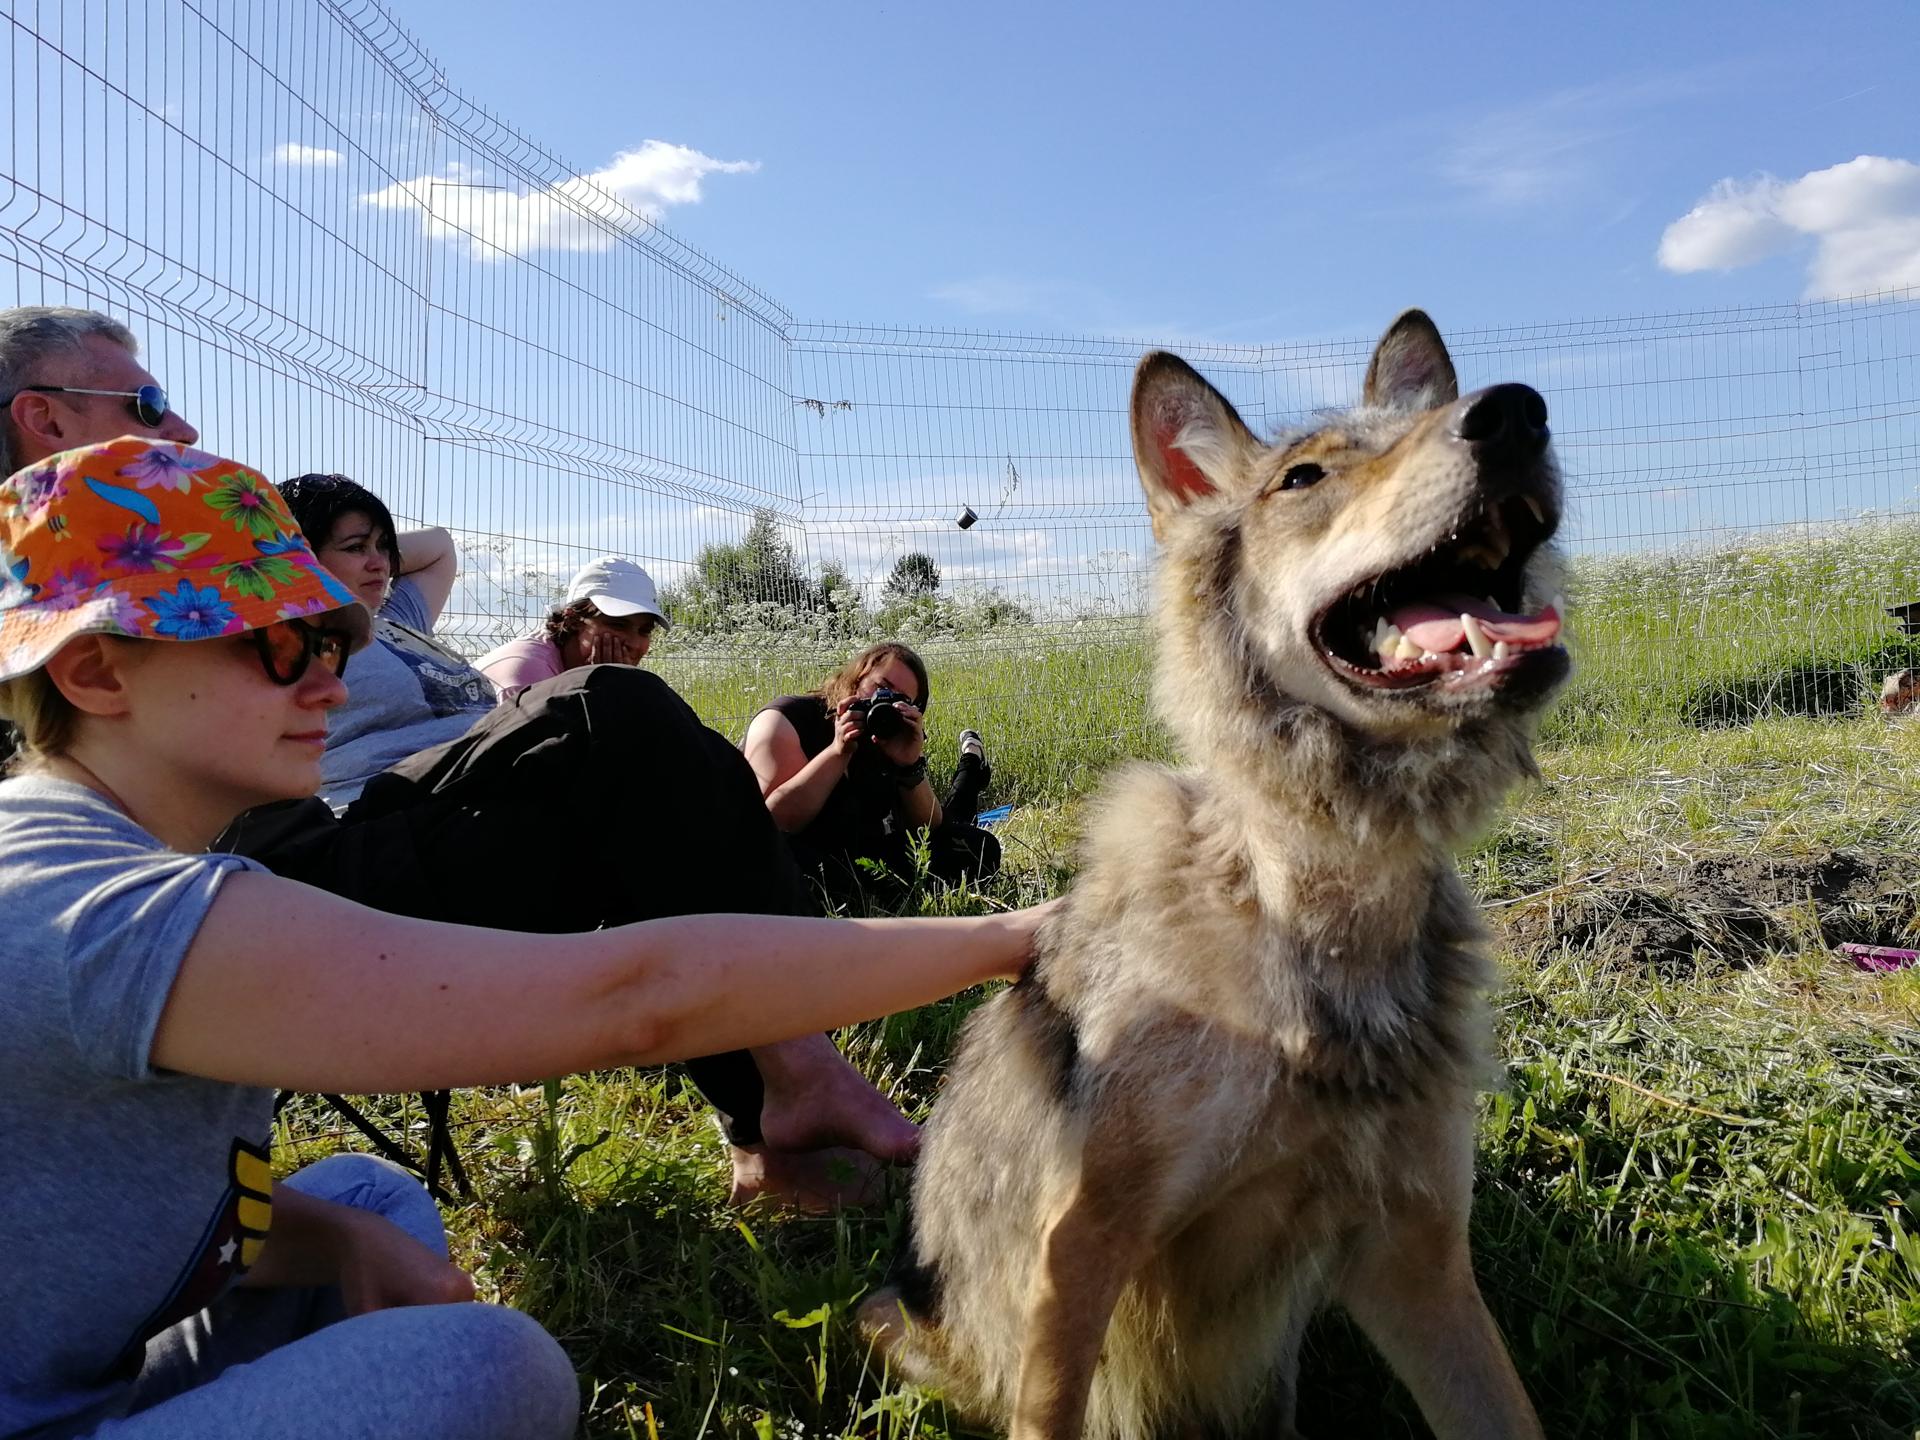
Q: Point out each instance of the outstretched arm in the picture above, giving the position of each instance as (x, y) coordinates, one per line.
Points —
(288, 986)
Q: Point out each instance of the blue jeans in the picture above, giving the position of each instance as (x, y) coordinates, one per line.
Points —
(289, 1364)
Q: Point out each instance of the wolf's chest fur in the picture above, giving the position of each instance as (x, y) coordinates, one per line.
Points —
(1348, 974)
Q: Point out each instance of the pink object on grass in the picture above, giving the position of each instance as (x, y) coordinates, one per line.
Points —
(1879, 957)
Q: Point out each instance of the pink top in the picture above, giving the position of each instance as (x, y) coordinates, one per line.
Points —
(517, 664)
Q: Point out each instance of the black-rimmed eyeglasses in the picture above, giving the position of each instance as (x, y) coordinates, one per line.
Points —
(288, 647)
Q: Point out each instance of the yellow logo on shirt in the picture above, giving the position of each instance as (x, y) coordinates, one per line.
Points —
(253, 1179)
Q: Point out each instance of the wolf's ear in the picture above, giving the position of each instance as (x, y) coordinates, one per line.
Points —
(1411, 369)
(1188, 439)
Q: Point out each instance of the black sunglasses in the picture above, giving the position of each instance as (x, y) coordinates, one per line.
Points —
(287, 647)
(149, 401)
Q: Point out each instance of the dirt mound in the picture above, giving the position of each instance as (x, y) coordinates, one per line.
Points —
(1737, 908)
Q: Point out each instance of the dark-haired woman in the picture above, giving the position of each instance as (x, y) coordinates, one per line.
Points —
(845, 787)
(409, 691)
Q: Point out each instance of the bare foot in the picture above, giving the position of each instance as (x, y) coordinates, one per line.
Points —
(817, 1181)
(815, 1099)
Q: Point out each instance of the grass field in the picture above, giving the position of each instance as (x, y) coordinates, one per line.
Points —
(1698, 1181)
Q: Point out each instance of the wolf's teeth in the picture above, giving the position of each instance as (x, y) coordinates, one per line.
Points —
(1406, 650)
(1477, 639)
(1386, 639)
(1534, 505)
(1501, 649)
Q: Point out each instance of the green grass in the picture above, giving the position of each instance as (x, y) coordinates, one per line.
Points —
(1698, 1178)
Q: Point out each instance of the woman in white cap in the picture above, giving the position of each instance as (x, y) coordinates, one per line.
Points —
(609, 617)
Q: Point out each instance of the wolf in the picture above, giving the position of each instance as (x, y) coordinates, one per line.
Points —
(1237, 1083)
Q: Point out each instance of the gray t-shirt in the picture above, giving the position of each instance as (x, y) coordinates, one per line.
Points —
(405, 693)
(129, 1198)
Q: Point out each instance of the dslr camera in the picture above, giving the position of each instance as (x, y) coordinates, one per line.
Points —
(882, 713)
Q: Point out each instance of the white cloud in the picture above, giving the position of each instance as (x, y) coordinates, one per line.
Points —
(311, 156)
(1862, 216)
(1737, 223)
(585, 212)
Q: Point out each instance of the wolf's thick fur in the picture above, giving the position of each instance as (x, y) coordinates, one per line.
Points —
(1239, 1082)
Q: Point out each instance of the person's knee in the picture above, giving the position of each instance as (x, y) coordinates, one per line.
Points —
(625, 706)
(624, 693)
(346, 1177)
(368, 1182)
(462, 1372)
(349, 1176)
(629, 683)
(523, 1383)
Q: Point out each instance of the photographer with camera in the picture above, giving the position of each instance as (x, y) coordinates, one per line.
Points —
(844, 773)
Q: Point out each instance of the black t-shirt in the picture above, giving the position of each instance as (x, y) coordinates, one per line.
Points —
(858, 819)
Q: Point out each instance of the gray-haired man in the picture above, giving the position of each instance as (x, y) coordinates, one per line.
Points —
(73, 377)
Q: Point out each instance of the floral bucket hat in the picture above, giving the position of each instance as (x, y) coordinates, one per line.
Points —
(153, 540)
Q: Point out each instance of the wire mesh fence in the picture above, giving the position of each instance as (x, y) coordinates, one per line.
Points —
(338, 262)
(1742, 483)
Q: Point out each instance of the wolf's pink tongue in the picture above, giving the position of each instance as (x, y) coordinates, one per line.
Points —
(1432, 628)
(1435, 626)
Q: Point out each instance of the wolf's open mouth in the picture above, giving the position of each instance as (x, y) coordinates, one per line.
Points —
(1453, 616)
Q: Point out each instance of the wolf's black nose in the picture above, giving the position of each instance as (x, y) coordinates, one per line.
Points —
(1503, 423)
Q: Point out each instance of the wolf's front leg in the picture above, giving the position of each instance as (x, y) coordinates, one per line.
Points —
(1151, 1139)
(1096, 1242)
(1411, 1288)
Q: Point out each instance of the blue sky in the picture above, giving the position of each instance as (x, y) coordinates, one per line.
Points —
(1235, 173)
(387, 296)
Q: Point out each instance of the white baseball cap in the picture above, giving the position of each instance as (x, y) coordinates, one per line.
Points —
(617, 587)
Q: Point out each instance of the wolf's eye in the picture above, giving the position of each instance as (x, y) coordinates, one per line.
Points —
(1298, 477)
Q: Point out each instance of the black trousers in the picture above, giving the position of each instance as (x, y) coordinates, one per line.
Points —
(957, 850)
(593, 799)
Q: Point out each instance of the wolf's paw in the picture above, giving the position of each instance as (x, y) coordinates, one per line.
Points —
(907, 1344)
(884, 1320)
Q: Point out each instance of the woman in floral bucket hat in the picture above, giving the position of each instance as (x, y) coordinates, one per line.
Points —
(170, 650)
